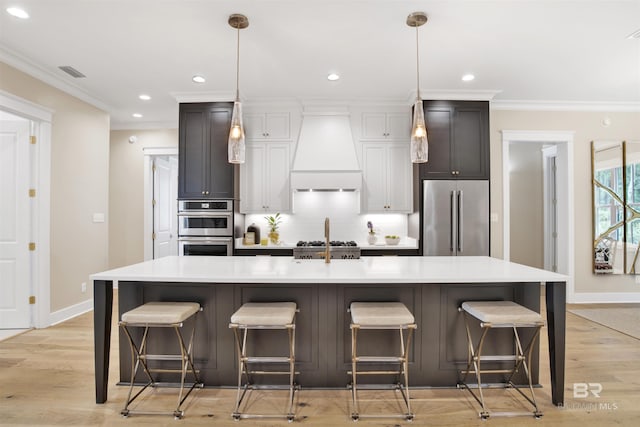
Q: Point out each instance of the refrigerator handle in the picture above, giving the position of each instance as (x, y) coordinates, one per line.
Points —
(452, 215)
(460, 222)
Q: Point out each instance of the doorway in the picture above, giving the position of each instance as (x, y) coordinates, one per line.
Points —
(25, 147)
(160, 202)
(554, 147)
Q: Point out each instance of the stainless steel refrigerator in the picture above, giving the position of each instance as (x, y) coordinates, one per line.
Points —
(455, 218)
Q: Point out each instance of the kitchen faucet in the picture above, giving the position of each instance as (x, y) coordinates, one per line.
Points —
(327, 249)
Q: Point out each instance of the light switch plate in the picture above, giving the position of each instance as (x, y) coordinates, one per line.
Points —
(98, 217)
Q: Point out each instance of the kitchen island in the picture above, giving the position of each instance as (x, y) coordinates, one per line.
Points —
(431, 287)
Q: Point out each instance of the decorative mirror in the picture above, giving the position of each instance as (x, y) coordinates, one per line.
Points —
(608, 207)
(615, 173)
(631, 152)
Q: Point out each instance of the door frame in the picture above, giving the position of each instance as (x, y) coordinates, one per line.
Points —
(40, 269)
(563, 140)
(149, 154)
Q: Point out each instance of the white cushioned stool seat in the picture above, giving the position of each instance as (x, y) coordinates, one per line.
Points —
(501, 312)
(380, 314)
(161, 313)
(264, 314)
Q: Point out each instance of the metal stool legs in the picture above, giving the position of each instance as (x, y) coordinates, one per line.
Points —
(521, 360)
(374, 316)
(140, 358)
(245, 361)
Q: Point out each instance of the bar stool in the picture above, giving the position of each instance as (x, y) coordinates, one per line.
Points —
(262, 316)
(500, 314)
(161, 315)
(379, 316)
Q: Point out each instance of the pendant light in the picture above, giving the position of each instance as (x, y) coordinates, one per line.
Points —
(236, 134)
(419, 143)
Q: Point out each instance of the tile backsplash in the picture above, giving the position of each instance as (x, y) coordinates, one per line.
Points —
(306, 222)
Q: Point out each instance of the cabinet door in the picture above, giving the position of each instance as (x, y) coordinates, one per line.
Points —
(374, 125)
(399, 126)
(277, 126)
(193, 153)
(470, 150)
(277, 188)
(220, 171)
(261, 126)
(252, 179)
(400, 178)
(374, 169)
(438, 119)
(254, 126)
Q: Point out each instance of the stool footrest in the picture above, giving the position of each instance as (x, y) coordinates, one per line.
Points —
(267, 359)
(375, 372)
(382, 359)
(271, 372)
(489, 371)
(174, 357)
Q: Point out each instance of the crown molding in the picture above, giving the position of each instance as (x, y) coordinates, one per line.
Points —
(205, 96)
(144, 125)
(29, 67)
(566, 106)
(454, 95)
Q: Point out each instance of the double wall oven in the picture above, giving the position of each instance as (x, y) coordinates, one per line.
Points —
(205, 227)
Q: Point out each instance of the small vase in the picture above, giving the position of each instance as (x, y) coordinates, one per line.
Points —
(372, 238)
(274, 236)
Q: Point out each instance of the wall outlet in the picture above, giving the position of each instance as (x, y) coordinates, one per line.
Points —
(83, 287)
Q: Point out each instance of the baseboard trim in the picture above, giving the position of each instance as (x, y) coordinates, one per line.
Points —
(604, 297)
(70, 312)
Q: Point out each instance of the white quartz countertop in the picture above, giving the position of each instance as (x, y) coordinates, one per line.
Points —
(260, 269)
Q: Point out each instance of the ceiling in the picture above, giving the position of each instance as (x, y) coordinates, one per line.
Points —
(546, 52)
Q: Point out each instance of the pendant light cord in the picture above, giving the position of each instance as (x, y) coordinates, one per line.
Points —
(417, 64)
(238, 66)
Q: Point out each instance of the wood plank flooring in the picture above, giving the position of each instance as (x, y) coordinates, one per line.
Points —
(46, 378)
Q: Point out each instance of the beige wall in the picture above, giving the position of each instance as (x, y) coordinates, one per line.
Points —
(526, 222)
(587, 126)
(126, 183)
(79, 185)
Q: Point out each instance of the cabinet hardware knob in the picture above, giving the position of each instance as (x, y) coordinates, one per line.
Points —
(203, 192)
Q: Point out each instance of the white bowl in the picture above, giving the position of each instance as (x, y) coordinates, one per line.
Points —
(392, 241)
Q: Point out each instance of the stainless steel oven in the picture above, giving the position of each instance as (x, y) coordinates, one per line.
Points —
(205, 218)
(209, 246)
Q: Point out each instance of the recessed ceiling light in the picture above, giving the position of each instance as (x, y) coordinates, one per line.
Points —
(468, 77)
(333, 77)
(144, 97)
(137, 115)
(17, 12)
(198, 79)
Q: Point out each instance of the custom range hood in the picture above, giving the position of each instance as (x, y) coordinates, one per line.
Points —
(325, 157)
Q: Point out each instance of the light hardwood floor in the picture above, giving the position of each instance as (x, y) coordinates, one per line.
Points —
(46, 378)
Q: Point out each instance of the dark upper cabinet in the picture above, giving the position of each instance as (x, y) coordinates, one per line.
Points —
(458, 133)
(204, 172)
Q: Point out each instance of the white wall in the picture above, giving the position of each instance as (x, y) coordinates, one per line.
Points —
(588, 126)
(79, 186)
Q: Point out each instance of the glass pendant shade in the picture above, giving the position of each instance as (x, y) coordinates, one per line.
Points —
(419, 142)
(236, 135)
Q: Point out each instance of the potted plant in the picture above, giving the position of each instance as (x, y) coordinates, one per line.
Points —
(371, 237)
(274, 222)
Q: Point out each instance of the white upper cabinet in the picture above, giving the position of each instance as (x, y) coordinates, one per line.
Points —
(271, 126)
(264, 178)
(387, 172)
(386, 126)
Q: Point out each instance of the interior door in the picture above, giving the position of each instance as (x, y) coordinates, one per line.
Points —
(15, 285)
(165, 207)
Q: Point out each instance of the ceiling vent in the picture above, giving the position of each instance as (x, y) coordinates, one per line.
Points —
(72, 71)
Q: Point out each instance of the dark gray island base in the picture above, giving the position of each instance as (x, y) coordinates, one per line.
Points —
(438, 352)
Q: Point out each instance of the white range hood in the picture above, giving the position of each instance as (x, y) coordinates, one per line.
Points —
(325, 157)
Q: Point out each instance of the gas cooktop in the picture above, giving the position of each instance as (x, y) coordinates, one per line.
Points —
(314, 243)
